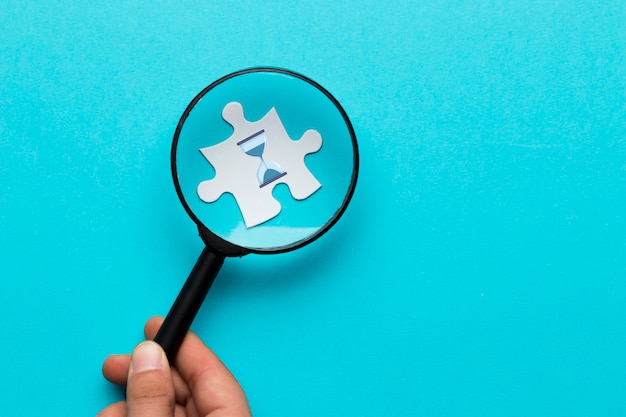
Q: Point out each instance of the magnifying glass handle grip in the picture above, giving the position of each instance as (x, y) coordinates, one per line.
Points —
(173, 330)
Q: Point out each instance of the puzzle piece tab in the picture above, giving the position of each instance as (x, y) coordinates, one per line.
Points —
(256, 157)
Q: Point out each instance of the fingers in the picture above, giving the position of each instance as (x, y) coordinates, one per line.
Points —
(213, 387)
(152, 327)
(150, 391)
(115, 368)
(201, 382)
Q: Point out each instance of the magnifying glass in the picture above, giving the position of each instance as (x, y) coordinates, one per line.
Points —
(264, 161)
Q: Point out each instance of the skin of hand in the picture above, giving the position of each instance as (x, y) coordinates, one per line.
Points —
(199, 385)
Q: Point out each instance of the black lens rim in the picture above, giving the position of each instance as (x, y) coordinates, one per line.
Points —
(225, 247)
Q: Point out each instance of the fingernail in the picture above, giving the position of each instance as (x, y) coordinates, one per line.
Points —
(146, 357)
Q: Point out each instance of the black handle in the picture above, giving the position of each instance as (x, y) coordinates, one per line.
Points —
(188, 302)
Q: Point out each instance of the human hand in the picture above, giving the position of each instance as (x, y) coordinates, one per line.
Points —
(199, 385)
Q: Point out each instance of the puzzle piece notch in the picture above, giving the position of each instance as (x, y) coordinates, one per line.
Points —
(236, 171)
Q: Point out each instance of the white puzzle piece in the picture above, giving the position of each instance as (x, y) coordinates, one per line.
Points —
(256, 157)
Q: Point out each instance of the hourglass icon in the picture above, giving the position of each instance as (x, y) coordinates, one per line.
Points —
(269, 171)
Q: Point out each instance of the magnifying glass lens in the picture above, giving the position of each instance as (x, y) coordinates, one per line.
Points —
(264, 159)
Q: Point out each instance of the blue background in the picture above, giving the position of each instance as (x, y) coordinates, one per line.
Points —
(480, 271)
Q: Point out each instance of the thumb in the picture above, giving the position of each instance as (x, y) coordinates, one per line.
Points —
(150, 391)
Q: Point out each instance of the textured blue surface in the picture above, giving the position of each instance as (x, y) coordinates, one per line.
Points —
(480, 271)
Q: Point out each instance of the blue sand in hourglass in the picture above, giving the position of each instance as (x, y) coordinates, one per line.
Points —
(268, 171)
